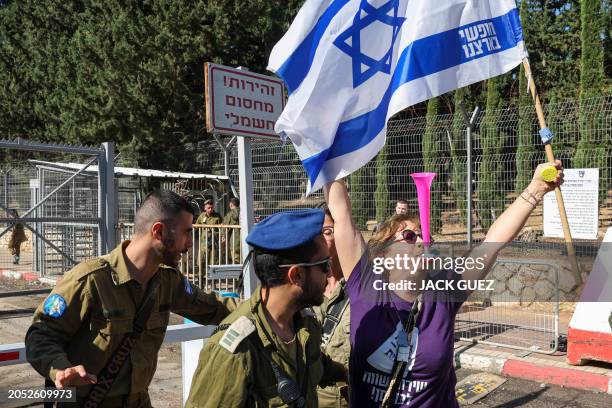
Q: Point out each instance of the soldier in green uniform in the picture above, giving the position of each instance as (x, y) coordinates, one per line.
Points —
(268, 352)
(17, 238)
(233, 235)
(209, 242)
(84, 323)
(334, 315)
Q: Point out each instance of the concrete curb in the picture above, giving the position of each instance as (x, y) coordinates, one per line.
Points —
(534, 369)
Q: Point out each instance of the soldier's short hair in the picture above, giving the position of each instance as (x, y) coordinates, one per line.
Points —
(235, 201)
(209, 202)
(267, 263)
(160, 205)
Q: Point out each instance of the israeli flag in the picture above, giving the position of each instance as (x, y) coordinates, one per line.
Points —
(349, 65)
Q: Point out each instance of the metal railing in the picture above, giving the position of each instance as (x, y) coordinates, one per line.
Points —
(64, 212)
(212, 245)
(15, 353)
(514, 316)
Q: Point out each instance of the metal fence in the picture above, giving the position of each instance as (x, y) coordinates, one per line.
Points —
(52, 219)
(212, 245)
(279, 180)
(518, 317)
(505, 150)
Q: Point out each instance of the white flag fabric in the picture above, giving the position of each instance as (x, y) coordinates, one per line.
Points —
(349, 65)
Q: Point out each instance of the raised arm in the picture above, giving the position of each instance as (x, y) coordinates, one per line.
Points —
(511, 221)
(349, 241)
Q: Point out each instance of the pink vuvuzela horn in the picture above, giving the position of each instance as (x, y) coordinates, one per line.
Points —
(423, 184)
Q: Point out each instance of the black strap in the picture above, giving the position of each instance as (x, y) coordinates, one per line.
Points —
(397, 373)
(49, 384)
(332, 319)
(287, 388)
(108, 374)
(240, 283)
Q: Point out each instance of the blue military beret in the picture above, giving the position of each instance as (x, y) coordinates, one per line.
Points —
(286, 230)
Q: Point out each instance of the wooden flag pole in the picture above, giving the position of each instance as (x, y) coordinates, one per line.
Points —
(569, 244)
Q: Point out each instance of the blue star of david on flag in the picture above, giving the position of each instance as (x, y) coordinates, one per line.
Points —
(365, 66)
(350, 65)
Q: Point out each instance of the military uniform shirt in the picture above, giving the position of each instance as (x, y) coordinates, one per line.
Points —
(338, 347)
(100, 301)
(244, 377)
(233, 236)
(212, 219)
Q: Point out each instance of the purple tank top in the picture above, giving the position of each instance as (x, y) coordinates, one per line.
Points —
(375, 327)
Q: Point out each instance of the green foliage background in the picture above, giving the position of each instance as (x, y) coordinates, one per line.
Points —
(89, 71)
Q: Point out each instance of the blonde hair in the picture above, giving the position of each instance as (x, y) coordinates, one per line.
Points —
(389, 228)
(384, 238)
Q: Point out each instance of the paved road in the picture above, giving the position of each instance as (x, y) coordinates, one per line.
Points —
(165, 390)
(522, 393)
(166, 387)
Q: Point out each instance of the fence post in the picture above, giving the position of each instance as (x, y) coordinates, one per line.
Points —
(106, 198)
(6, 189)
(245, 178)
(469, 123)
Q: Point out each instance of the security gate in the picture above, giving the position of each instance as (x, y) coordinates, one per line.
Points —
(65, 215)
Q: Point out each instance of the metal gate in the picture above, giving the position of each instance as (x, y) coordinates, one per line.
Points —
(54, 217)
(514, 321)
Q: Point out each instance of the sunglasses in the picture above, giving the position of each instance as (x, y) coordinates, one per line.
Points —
(410, 236)
(324, 261)
(328, 231)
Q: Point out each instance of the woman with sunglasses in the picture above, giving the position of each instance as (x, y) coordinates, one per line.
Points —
(395, 345)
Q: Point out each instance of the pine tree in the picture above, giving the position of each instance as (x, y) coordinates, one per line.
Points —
(381, 194)
(489, 190)
(358, 196)
(459, 156)
(593, 149)
(525, 151)
(89, 71)
(432, 162)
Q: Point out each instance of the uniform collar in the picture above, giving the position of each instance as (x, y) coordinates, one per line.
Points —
(116, 260)
(264, 330)
(338, 293)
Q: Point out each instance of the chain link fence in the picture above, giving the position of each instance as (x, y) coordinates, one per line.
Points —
(506, 149)
(50, 217)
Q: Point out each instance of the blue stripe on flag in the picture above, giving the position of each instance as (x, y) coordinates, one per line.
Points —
(422, 57)
(296, 67)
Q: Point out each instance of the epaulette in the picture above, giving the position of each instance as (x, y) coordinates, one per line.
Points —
(239, 330)
(87, 267)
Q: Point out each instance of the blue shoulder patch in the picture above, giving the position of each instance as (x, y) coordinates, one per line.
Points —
(55, 306)
(188, 287)
(234, 295)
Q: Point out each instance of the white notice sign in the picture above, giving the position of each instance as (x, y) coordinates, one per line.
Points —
(580, 194)
(242, 103)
